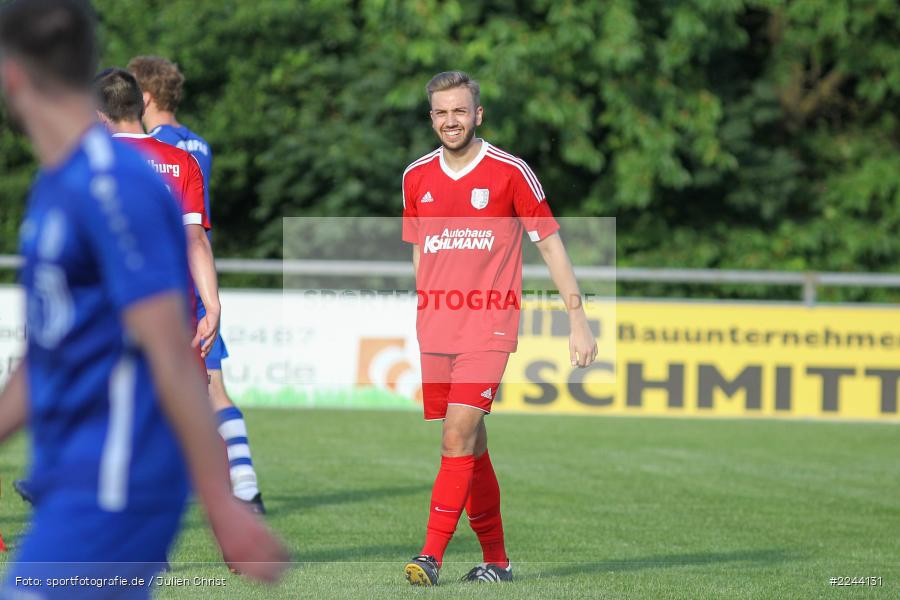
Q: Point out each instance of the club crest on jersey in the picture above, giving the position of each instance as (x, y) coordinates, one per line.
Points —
(480, 198)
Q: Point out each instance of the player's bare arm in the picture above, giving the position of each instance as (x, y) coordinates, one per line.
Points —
(14, 403)
(582, 346)
(203, 270)
(416, 255)
(159, 327)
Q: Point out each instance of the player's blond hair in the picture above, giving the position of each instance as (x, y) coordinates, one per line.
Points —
(454, 79)
(159, 77)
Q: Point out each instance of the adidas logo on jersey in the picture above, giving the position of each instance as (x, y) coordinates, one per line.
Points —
(487, 394)
(426, 198)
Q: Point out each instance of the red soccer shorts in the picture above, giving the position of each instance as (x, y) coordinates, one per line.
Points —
(470, 379)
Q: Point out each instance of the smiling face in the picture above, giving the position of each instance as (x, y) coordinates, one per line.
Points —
(454, 117)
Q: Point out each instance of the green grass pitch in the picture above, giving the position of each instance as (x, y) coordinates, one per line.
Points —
(593, 507)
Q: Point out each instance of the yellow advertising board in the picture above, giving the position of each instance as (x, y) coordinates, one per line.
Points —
(712, 359)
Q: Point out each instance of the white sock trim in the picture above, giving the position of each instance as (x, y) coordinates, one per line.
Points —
(233, 428)
(244, 484)
(238, 451)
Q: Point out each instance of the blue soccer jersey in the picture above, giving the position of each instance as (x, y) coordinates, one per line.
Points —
(101, 233)
(184, 138)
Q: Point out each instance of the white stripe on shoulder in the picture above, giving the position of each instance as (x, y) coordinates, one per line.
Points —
(422, 160)
(537, 191)
(416, 163)
(527, 170)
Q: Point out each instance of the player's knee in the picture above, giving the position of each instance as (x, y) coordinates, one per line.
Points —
(456, 442)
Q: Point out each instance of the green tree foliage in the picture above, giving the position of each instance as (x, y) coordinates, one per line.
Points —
(720, 133)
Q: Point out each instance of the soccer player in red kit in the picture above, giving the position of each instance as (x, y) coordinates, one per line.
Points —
(120, 106)
(466, 207)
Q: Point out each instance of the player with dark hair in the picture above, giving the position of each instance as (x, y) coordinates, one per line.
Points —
(108, 384)
(161, 82)
(120, 105)
(465, 208)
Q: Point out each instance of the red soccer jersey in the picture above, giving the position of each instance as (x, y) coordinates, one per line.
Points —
(181, 174)
(179, 170)
(469, 226)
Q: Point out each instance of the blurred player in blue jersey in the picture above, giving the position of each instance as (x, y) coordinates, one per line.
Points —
(109, 384)
(161, 82)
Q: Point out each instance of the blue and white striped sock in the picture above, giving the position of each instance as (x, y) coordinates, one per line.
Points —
(234, 431)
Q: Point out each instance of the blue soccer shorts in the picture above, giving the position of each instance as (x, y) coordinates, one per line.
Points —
(218, 351)
(80, 552)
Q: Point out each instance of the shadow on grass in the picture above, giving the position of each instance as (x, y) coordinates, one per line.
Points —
(375, 554)
(281, 504)
(667, 561)
(278, 504)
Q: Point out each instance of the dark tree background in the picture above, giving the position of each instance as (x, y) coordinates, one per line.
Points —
(720, 133)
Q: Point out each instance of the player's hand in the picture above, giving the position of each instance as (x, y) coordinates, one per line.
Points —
(247, 545)
(582, 345)
(207, 332)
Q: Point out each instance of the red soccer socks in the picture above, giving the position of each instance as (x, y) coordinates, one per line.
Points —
(483, 508)
(466, 481)
(448, 497)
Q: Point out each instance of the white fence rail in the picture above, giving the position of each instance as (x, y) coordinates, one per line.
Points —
(809, 281)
